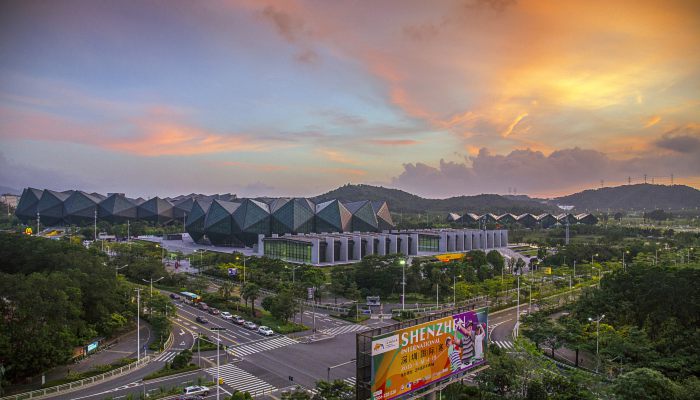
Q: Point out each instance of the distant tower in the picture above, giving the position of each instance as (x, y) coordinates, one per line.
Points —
(602, 183)
(671, 179)
(652, 180)
(645, 178)
(567, 231)
(629, 180)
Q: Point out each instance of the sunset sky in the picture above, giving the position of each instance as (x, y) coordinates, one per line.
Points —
(438, 98)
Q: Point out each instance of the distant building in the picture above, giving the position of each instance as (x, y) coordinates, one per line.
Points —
(350, 247)
(525, 220)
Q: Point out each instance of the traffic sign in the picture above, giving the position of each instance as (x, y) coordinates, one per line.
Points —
(233, 271)
(310, 293)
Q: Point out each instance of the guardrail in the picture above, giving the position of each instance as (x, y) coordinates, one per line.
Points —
(54, 390)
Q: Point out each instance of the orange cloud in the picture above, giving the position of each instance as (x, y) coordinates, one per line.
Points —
(652, 121)
(252, 166)
(337, 156)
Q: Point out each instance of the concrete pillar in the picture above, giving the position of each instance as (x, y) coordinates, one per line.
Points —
(459, 243)
(504, 238)
(357, 247)
(489, 239)
(442, 246)
(404, 244)
(261, 246)
(330, 249)
(468, 241)
(414, 245)
(344, 249)
(393, 244)
(370, 244)
(381, 250)
(315, 251)
(451, 239)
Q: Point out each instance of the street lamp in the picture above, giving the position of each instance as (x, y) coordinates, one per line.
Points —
(597, 334)
(218, 345)
(403, 284)
(623, 259)
(454, 288)
(118, 268)
(244, 268)
(287, 267)
(151, 280)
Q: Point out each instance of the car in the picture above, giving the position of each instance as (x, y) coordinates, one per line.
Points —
(237, 319)
(174, 296)
(196, 390)
(226, 315)
(202, 320)
(202, 306)
(213, 311)
(263, 330)
(250, 325)
(191, 397)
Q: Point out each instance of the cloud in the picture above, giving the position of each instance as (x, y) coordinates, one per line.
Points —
(533, 172)
(653, 120)
(337, 156)
(159, 132)
(287, 25)
(681, 140)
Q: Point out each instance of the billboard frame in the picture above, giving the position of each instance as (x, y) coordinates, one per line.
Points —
(363, 345)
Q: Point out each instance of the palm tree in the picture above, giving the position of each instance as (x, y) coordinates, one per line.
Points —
(226, 290)
(251, 291)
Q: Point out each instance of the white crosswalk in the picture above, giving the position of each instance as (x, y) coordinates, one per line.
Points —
(241, 380)
(263, 345)
(345, 329)
(167, 356)
(504, 344)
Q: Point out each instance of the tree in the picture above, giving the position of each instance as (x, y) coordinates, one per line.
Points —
(226, 290)
(181, 360)
(296, 394)
(239, 395)
(496, 259)
(336, 390)
(645, 384)
(251, 292)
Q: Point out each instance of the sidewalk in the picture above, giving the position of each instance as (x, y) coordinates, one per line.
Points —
(122, 347)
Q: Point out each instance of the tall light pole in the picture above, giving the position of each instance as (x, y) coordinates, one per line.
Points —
(151, 281)
(623, 259)
(95, 226)
(38, 220)
(244, 268)
(138, 324)
(403, 284)
(597, 334)
(517, 308)
(293, 269)
(218, 345)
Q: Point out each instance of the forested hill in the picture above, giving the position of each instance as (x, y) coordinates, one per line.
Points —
(400, 201)
(633, 197)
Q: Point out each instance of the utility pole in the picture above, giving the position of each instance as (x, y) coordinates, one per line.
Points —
(597, 335)
(218, 345)
(138, 324)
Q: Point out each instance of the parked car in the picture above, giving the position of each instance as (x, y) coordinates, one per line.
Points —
(250, 325)
(174, 296)
(237, 319)
(197, 390)
(265, 331)
(226, 315)
(202, 320)
(213, 311)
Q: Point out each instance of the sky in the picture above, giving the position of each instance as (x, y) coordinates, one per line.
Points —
(295, 98)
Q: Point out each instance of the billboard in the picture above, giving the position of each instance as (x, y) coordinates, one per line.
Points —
(409, 359)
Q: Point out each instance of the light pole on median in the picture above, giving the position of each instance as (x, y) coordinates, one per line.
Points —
(218, 345)
(138, 324)
(293, 269)
(328, 376)
(597, 334)
(244, 268)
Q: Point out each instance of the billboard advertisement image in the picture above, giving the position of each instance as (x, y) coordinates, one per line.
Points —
(411, 358)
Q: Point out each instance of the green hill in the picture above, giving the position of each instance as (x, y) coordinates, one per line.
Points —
(634, 197)
(403, 202)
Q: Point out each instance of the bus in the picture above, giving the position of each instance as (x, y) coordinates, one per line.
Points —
(191, 298)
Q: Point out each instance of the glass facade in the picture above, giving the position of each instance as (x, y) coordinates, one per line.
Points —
(428, 243)
(288, 250)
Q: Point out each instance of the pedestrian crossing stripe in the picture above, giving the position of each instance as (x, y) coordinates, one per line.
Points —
(344, 329)
(241, 380)
(167, 356)
(504, 344)
(257, 347)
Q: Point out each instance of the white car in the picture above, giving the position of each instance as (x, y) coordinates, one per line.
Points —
(197, 390)
(250, 325)
(265, 331)
(226, 315)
